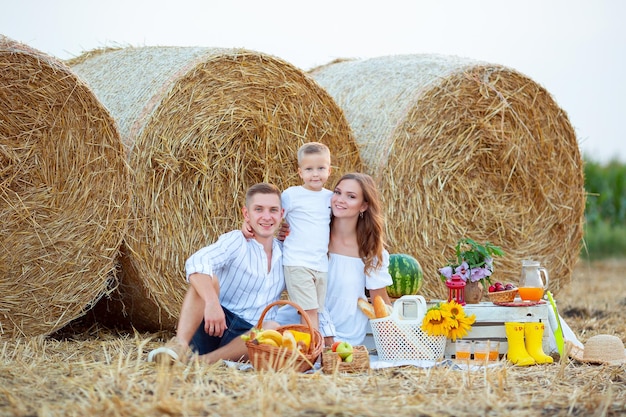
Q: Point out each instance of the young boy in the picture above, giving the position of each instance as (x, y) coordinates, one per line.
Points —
(305, 249)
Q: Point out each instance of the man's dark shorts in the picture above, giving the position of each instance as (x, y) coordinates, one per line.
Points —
(202, 343)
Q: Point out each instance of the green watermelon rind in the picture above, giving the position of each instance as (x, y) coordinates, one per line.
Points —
(404, 265)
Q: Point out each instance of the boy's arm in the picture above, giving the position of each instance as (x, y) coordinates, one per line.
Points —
(247, 231)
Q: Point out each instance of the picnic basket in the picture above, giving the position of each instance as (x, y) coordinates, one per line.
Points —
(502, 296)
(399, 337)
(266, 357)
(331, 362)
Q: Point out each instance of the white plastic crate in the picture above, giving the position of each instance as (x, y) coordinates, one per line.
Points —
(400, 337)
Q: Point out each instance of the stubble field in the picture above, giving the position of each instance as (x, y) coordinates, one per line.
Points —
(96, 371)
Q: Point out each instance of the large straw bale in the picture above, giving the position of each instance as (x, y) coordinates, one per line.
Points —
(465, 149)
(201, 125)
(63, 193)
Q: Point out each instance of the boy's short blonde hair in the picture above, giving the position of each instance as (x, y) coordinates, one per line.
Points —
(310, 148)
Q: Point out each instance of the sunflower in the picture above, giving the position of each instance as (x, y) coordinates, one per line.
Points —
(436, 322)
(453, 309)
(461, 326)
(447, 319)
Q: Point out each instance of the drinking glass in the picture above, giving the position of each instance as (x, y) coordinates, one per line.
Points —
(494, 350)
(481, 350)
(463, 349)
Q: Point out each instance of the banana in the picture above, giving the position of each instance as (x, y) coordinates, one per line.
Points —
(270, 334)
(251, 335)
(289, 340)
(267, 341)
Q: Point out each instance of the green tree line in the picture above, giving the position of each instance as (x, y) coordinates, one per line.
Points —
(605, 210)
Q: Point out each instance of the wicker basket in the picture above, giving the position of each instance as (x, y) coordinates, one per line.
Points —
(502, 296)
(331, 362)
(266, 357)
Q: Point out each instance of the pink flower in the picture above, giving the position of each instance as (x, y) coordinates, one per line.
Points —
(446, 271)
(463, 270)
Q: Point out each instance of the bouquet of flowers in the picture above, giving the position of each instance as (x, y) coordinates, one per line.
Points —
(473, 262)
(447, 319)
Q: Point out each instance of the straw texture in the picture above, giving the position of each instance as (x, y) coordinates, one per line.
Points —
(91, 371)
(602, 348)
(63, 193)
(201, 125)
(465, 149)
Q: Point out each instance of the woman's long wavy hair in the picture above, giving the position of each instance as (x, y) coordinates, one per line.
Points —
(369, 228)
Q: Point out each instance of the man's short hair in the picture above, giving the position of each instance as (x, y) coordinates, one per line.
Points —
(261, 188)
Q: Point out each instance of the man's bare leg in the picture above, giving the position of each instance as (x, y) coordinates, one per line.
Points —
(235, 350)
(191, 315)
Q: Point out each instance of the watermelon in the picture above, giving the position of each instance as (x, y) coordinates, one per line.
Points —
(406, 274)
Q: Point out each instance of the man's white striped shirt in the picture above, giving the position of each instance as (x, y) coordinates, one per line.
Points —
(241, 266)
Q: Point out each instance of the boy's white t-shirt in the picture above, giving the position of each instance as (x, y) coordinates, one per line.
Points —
(308, 214)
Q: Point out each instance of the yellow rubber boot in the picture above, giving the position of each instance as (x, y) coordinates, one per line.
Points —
(517, 353)
(534, 342)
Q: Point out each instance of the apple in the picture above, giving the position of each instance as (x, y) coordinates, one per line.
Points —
(344, 349)
(334, 346)
(349, 358)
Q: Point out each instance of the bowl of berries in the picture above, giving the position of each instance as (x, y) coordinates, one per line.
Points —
(502, 293)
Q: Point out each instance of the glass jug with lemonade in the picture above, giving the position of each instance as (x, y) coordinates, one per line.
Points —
(531, 285)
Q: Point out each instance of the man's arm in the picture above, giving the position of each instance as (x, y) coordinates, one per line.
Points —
(207, 288)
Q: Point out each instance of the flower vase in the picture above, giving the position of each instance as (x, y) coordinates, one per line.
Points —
(473, 292)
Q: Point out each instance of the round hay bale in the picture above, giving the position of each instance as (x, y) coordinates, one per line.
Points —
(465, 149)
(201, 125)
(63, 193)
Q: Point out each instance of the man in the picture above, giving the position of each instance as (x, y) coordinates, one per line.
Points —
(231, 283)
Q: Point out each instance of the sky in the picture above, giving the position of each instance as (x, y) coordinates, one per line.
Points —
(576, 49)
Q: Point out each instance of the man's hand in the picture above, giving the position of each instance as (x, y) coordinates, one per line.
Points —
(207, 287)
(214, 320)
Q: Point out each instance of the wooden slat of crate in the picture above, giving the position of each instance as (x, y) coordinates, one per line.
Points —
(490, 321)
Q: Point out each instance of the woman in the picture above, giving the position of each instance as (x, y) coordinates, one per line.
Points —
(357, 260)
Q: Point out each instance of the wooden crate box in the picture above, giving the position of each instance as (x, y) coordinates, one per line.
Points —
(490, 321)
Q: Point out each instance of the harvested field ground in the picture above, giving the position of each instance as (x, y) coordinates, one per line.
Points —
(96, 371)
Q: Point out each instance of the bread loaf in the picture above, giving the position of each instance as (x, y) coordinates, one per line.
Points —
(380, 308)
(367, 308)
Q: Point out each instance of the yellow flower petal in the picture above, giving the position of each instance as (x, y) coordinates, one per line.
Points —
(435, 324)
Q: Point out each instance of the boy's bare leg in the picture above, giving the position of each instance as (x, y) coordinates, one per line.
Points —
(313, 316)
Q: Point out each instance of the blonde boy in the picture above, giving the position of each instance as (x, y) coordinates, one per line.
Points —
(307, 211)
